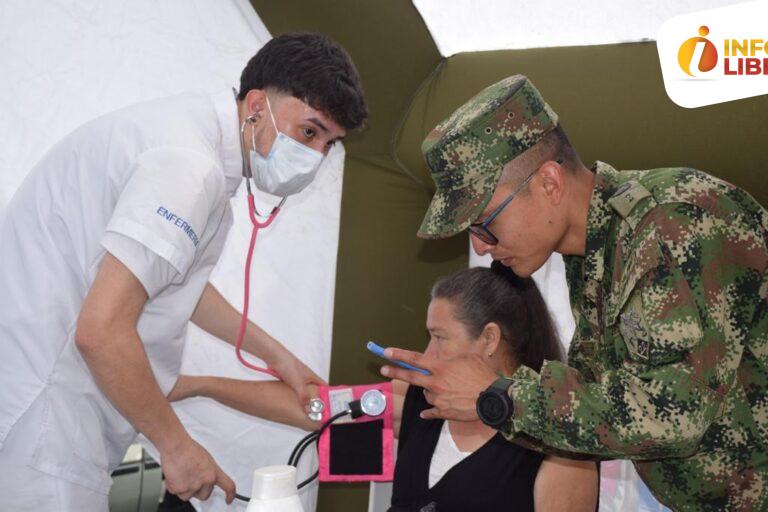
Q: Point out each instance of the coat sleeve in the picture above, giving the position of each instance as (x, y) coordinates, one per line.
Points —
(161, 215)
(683, 324)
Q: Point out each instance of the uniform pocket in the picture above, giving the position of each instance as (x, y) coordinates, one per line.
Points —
(659, 322)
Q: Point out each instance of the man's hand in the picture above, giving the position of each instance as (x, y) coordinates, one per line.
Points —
(298, 376)
(453, 386)
(191, 472)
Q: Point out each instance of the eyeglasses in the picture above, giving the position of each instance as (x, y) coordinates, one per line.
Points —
(480, 229)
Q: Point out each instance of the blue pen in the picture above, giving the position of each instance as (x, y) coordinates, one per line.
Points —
(379, 351)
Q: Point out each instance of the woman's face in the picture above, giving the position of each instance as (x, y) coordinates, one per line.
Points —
(448, 337)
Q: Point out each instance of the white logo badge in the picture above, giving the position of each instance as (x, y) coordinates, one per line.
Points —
(716, 55)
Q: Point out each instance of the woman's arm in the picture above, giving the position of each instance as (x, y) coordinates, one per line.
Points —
(273, 401)
(564, 484)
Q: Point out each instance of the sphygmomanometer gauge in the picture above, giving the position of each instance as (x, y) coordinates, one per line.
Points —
(373, 402)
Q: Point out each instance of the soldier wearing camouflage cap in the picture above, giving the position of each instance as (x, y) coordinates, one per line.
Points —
(667, 275)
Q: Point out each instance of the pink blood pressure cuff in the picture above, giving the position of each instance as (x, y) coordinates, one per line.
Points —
(356, 450)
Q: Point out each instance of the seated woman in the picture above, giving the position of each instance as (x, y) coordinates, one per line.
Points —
(452, 465)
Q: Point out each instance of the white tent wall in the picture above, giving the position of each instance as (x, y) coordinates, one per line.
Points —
(68, 61)
(479, 25)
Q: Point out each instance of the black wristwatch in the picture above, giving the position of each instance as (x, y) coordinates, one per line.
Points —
(494, 405)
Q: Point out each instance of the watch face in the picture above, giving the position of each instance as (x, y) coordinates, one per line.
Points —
(492, 409)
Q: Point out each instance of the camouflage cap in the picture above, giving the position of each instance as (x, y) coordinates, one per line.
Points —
(466, 152)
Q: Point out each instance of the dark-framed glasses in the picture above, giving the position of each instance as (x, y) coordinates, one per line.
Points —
(480, 229)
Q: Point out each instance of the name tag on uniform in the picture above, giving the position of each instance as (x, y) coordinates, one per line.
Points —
(179, 223)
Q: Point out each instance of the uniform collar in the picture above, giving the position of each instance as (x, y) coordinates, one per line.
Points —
(598, 223)
(226, 111)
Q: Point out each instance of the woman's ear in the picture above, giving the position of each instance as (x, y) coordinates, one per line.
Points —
(491, 337)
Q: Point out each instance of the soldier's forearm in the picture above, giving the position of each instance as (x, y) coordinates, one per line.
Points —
(622, 416)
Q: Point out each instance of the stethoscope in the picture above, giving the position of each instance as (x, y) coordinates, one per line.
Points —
(253, 213)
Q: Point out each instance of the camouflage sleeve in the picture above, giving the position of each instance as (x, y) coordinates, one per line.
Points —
(685, 315)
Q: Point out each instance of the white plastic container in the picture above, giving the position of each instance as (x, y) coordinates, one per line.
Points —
(274, 490)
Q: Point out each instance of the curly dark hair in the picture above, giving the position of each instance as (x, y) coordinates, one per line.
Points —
(312, 68)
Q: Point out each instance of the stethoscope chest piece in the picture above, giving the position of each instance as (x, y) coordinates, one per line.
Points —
(316, 407)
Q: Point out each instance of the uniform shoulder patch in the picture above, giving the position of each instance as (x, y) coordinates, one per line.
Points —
(628, 197)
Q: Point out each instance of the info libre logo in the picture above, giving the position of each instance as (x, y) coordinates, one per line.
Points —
(699, 55)
(700, 47)
(715, 55)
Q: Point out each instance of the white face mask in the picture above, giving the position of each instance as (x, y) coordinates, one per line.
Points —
(288, 168)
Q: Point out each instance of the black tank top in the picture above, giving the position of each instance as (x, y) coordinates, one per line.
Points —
(497, 476)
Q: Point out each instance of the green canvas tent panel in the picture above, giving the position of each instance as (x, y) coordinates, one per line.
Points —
(612, 103)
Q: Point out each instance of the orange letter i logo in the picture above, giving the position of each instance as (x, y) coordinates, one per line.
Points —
(697, 54)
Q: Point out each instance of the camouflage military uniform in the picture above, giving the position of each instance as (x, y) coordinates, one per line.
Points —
(669, 362)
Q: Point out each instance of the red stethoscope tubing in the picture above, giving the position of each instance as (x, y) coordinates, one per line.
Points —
(246, 298)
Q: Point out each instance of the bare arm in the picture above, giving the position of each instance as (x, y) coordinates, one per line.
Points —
(216, 316)
(107, 338)
(273, 401)
(564, 484)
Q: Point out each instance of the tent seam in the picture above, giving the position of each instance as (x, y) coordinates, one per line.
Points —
(401, 124)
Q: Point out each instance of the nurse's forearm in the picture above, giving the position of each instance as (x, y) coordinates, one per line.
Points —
(120, 367)
(107, 338)
(216, 316)
(273, 401)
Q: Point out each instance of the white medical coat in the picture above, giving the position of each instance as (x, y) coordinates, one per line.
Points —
(150, 184)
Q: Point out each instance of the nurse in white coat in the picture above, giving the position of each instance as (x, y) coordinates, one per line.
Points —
(105, 253)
